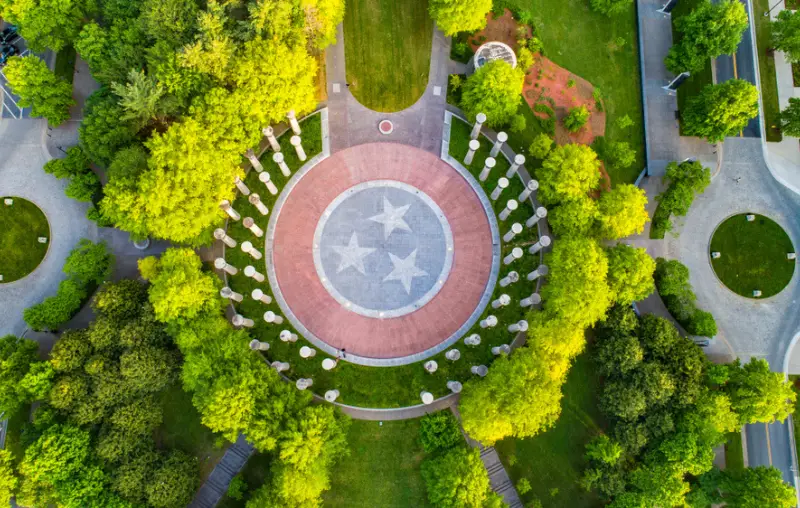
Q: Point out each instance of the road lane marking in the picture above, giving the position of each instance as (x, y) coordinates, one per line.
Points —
(769, 446)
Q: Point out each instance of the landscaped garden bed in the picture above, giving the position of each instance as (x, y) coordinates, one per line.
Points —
(22, 224)
(697, 80)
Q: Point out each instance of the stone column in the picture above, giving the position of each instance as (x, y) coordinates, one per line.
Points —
(266, 179)
(489, 322)
(474, 145)
(220, 264)
(501, 350)
(488, 164)
(541, 213)
(250, 271)
(304, 383)
(516, 229)
(431, 366)
(479, 370)
(251, 156)
(473, 340)
(220, 234)
(502, 183)
(454, 386)
(307, 352)
(248, 248)
(531, 186)
(519, 160)
(502, 137)
(331, 395)
(239, 320)
(279, 366)
(540, 271)
(453, 355)
(287, 336)
(227, 208)
(501, 301)
(244, 189)
(297, 143)
(257, 345)
(250, 224)
(293, 122)
(534, 299)
(542, 243)
(516, 253)
(511, 205)
(427, 397)
(269, 132)
(328, 364)
(230, 294)
(511, 278)
(255, 200)
(476, 128)
(277, 157)
(519, 326)
(272, 318)
(259, 295)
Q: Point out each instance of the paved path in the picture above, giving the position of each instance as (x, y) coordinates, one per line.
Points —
(216, 486)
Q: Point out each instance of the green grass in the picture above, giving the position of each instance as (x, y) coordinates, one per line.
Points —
(22, 224)
(382, 469)
(65, 64)
(388, 51)
(698, 80)
(555, 459)
(521, 141)
(585, 43)
(734, 455)
(380, 386)
(766, 69)
(753, 255)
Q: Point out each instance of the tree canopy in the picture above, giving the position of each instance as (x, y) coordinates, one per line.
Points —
(720, 110)
(457, 478)
(630, 273)
(622, 212)
(495, 90)
(38, 88)
(569, 172)
(786, 34)
(453, 16)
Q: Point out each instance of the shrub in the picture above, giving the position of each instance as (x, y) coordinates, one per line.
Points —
(495, 90)
(576, 118)
(610, 7)
(518, 124)
(56, 310)
(624, 122)
(541, 107)
(672, 282)
(456, 478)
(541, 146)
(237, 488)
(524, 58)
(75, 163)
(523, 486)
(439, 431)
(83, 187)
(570, 83)
(685, 181)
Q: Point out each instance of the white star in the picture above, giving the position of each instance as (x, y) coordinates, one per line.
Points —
(391, 218)
(405, 270)
(352, 255)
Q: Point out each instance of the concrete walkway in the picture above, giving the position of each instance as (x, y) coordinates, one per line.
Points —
(216, 486)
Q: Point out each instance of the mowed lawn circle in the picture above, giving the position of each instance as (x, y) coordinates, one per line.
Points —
(21, 225)
(387, 51)
(753, 255)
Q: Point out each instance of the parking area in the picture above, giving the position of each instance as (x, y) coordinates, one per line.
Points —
(10, 105)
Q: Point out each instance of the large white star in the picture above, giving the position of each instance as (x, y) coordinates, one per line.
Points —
(352, 255)
(391, 218)
(405, 270)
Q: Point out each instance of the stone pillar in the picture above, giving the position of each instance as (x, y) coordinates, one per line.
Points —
(454, 386)
(250, 224)
(307, 352)
(502, 137)
(220, 264)
(277, 157)
(272, 318)
(248, 248)
(297, 143)
(259, 295)
(516, 229)
(519, 326)
(541, 213)
(304, 383)
(279, 366)
(287, 336)
(501, 350)
(239, 320)
(427, 397)
(473, 340)
(516, 253)
(476, 128)
(244, 189)
(519, 160)
(531, 186)
(511, 205)
(230, 294)
(540, 271)
(227, 208)
(251, 156)
(267, 180)
(269, 132)
(257, 345)
(488, 164)
(479, 370)
(453, 355)
(331, 395)
(255, 200)
(431, 366)
(293, 122)
(474, 145)
(501, 301)
(502, 183)
(489, 322)
(511, 278)
(544, 241)
(250, 271)
(220, 234)
(534, 299)
(328, 364)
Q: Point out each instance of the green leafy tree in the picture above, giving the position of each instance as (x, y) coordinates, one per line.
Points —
(619, 154)
(573, 217)
(456, 479)
(624, 400)
(89, 263)
(439, 431)
(120, 301)
(672, 281)
(789, 119)
(17, 356)
(56, 310)
(38, 381)
(610, 7)
(495, 90)
(38, 88)
(147, 369)
(720, 110)
(116, 445)
(142, 98)
(70, 351)
(83, 187)
(685, 181)
(321, 20)
(576, 118)
(541, 146)
(569, 172)
(58, 456)
(453, 16)
(786, 34)
(170, 20)
(75, 163)
(113, 51)
(622, 212)
(603, 449)
(132, 478)
(757, 486)
(139, 417)
(618, 355)
(174, 482)
(8, 479)
(46, 24)
(69, 392)
(757, 394)
(102, 133)
(630, 273)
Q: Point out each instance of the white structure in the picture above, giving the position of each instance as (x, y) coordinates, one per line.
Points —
(476, 128)
(473, 340)
(230, 294)
(297, 143)
(540, 213)
(272, 318)
(250, 271)
(251, 156)
(220, 234)
(266, 179)
(331, 395)
(474, 145)
(502, 137)
(519, 326)
(277, 158)
(501, 350)
(221, 264)
(534, 299)
(519, 160)
(501, 301)
(502, 184)
(511, 278)
(540, 271)
(488, 164)
(255, 200)
(479, 370)
(489, 322)
(516, 253)
(257, 345)
(307, 352)
(543, 242)
(531, 186)
(225, 205)
(516, 229)
(259, 295)
(511, 205)
(454, 386)
(279, 366)
(243, 188)
(493, 50)
(250, 224)
(287, 336)
(239, 320)
(269, 132)
(248, 248)
(431, 366)
(427, 397)
(453, 355)
(328, 364)
(304, 383)
(293, 122)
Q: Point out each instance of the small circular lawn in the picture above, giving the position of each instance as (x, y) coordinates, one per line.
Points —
(21, 224)
(753, 255)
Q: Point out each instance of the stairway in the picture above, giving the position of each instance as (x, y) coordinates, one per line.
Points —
(498, 477)
(217, 483)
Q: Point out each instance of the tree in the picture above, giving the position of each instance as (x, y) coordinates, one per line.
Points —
(83, 187)
(758, 394)
(708, 31)
(89, 263)
(439, 431)
(56, 310)
(603, 449)
(456, 479)
(573, 217)
(622, 212)
(102, 133)
(47, 23)
(576, 118)
(16, 358)
(38, 382)
(120, 301)
(686, 180)
(618, 356)
(757, 486)
(57, 456)
(619, 154)
(38, 88)
(630, 274)
(147, 369)
(8, 479)
(113, 51)
(789, 118)
(138, 417)
(321, 20)
(720, 110)
(74, 164)
(132, 478)
(172, 21)
(70, 351)
(624, 400)
(142, 98)
(495, 90)
(541, 146)
(453, 16)
(786, 34)
(570, 171)
(174, 482)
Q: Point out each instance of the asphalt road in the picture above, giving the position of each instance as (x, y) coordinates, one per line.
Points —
(769, 445)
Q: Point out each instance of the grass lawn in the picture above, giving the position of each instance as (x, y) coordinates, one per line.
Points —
(698, 80)
(766, 69)
(734, 455)
(603, 51)
(22, 223)
(382, 469)
(753, 255)
(387, 51)
(65, 64)
(554, 460)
